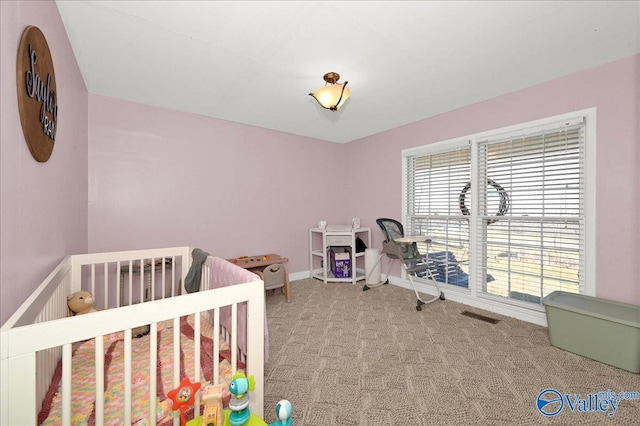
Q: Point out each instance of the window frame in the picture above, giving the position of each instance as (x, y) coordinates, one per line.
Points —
(474, 293)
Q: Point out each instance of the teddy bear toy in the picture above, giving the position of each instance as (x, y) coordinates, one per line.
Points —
(81, 302)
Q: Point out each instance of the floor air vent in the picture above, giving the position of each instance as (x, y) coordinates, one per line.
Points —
(480, 317)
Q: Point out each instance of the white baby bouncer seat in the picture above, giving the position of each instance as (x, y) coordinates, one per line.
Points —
(397, 246)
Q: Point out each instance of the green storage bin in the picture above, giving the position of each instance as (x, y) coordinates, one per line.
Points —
(596, 328)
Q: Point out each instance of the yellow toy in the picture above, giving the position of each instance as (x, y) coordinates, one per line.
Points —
(213, 414)
(253, 420)
(81, 302)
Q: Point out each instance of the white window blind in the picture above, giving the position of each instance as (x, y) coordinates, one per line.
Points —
(434, 181)
(537, 246)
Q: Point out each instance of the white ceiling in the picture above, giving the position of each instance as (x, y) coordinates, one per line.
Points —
(255, 62)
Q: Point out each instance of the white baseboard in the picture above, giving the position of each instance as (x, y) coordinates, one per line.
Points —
(299, 275)
(307, 274)
(462, 295)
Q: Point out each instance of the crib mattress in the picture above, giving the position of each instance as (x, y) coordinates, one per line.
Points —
(83, 380)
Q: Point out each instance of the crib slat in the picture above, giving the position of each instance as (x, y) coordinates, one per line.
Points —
(196, 353)
(153, 372)
(66, 384)
(93, 279)
(130, 290)
(141, 281)
(152, 290)
(167, 279)
(234, 337)
(176, 351)
(176, 362)
(127, 376)
(216, 346)
(119, 287)
(105, 305)
(99, 360)
(174, 289)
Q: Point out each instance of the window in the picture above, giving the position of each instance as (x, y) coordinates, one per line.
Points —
(523, 192)
(436, 180)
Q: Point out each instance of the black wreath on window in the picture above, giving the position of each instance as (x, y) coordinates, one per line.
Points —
(503, 208)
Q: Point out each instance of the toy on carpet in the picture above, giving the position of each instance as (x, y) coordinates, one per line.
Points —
(239, 387)
(81, 302)
(183, 397)
(283, 413)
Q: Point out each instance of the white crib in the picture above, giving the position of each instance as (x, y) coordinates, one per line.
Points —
(147, 283)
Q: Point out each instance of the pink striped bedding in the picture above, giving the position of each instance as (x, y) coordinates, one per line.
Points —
(83, 380)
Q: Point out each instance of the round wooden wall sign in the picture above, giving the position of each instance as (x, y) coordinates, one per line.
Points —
(37, 93)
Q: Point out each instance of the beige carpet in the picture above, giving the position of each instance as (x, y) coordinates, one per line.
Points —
(343, 356)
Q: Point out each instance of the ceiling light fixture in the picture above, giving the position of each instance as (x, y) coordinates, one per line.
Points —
(333, 95)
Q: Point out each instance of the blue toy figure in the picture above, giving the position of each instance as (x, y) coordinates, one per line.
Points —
(239, 403)
(283, 413)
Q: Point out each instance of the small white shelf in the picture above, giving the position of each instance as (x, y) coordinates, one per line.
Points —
(319, 242)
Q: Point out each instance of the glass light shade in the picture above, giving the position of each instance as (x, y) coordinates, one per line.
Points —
(329, 95)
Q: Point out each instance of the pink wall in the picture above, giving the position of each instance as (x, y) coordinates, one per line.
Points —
(140, 181)
(161, 178)
(43, 206)
(613, 88)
